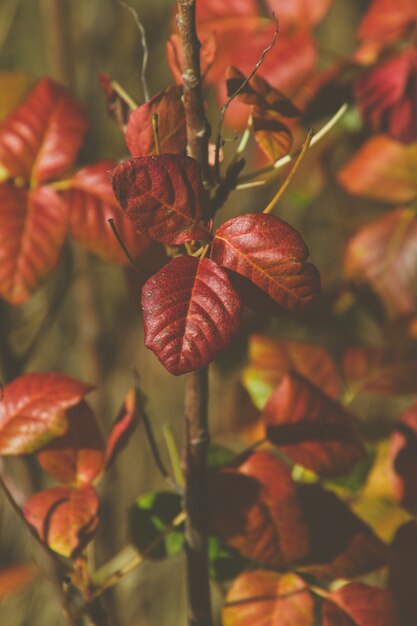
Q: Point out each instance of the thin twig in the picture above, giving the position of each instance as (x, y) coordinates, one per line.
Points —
(233, 96)
(123, 246)
(292, 173)
(145, 56)
(290, 157)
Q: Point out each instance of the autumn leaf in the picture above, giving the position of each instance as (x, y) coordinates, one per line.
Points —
(14, 579)
(33, 226)
(65, 518)
(122, 428)
(272, 135)
(32, 411)
(311, 428)
(163, 196)
(263, 597)
(388, 21)
(167, 104)
(77, 456)
(190, 313)
(40, 139)
(91, 203)
(357, 604)
(383, 254)
(271, 254)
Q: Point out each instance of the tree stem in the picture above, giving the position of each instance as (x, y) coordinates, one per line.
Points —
(196, 383)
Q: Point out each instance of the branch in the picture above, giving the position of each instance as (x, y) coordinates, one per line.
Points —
(142, 32)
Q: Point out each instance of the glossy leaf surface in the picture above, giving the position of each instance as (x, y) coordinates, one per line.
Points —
(33, 410)
(64, 517)
(40, 139)
(311, 428)
(270, 359)
(382, 169)
(91, 204)
(271, 254)
(33, 226)
(167, 104)
(163, 196)
(357, 604)
(190, 313)
(384, 254)
(261, 597)
(78, 455)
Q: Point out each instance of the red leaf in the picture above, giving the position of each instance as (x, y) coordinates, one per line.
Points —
(256, 510)
(78, 455)
(260, 597)
(208, 10)
(299, 13)
(403, 572)
(357, 604)
(386, 101)
(384, 254)
(190, 313)
(91, 204)
(40, 139)
(271, 254)
(385, 372)
(273, 137)
(32, 411)
(65, 518)
(14, 579)
(270, 359)
(163, 196)
(167, 104)
(386, 20)
(312, 429)
(122, 429)
(33, 226)
(403, 452)
(382, 169)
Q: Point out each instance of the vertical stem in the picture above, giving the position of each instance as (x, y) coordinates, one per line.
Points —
(196, 383)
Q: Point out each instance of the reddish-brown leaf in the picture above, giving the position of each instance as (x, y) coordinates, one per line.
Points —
(256, 510)
(382, 169)
(91, 203)
(384, 254)
(164, 197)
(403, 453)
(270, 359)
(385, 372)
(208, 10)
(117, 106)
(386, 20)
(385, 99)
(190, 313)
(357, 604)
(33, 226)
(32, 411)
(299, 13)
(273, 136)
(261, 597)
(311, 428)
(167, 104)
(78, 455)
(40, 139)
(122, 429)
(403, 572)
(15, 578)
(271, 254)
(65, 518)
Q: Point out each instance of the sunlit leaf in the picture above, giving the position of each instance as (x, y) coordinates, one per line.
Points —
(33, 226)
(190, 313)
(167, 104)
(357, 604)
(163, 196)
(65, 518)
(311, 428)
(273, 136)
(261, 597)
(32, 411)
(78, 455)
(271, 254)
(40, 139)
(91, 204)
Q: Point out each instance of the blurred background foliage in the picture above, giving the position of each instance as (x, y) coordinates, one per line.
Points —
(95, 333)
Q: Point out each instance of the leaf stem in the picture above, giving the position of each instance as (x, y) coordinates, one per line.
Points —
(123, 246)
(292, 173)
(155, 128)
(145, 56)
